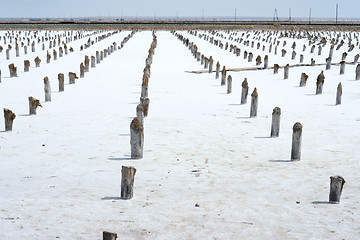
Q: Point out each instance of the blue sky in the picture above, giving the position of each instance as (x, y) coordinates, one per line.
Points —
(163, 8)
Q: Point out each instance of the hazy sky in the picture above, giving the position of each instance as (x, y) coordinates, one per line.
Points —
(164, 8)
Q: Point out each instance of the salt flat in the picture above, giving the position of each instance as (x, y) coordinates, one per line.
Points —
(60, 170)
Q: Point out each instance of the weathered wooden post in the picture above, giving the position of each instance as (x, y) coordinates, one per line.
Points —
(9, 117)
(296, 142)
(357, 72)
(48, 57)
(101, 55)
(312, 62)
(286, 71)
(342, 67)
(82, 70)
(109, 236)
(293, 55)
(7, 54)
(319, 50)
(97, 57)
(140, 113)
(250, 57)
(92, 61)
(283, 52)
(145, 102)
(331, 52)
(55, 55)
(47, 89)
(254, 103)
(26, 65)
(275, 123)
(245, 54)
(25, 50)
(223, 76)
(37, 61)
(338, 94)
(266, 62)
(244, 91)
(344, 55)
(328, 63)
(304, 77)
(13, 70)
(61, 52)
(312, 49)
(229, 84)
(136, 138)
(320, 82)
(17, 50)
(33, 47)
(301, 58)
(87, 63)
(258, 60)
(33, 104)
(61, 82)
(72, 77)
(144, 87)
(217, 70)
(276, 68)
(356, 58)
(336, 187)
(202, 59)
(211, 63)
(127, 182)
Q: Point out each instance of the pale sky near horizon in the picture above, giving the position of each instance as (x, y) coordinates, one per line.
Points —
(184, 8)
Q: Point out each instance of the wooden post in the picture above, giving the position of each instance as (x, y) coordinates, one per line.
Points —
(140, 113)
(286, 71)
(7, 54)
(312, 62)
(319, 50)
(17, 50)
(144, 87)
(33, 47)
(33, 104)
(25, 50)
(127, 182)
(47, 89)
(223, 76)
(109, 236)
(82, 70)
(55, 55)
(245, 54)
(338, 94)
(72, 77)
(320, 82)
(331, 52)
(217, 70)
(328, 63)
(37, 61)
(13, 70)
(145, 102)
(283, 52)
(48, 57)
(250, 57)
(266, 62)
(136, 138)
(61, 82)
(244, 91)
(101, 55)
(301, 58)
(26, 65)
(9, 117)
(254, 103)
(356, 58)
(342, 67)
(92, 61)
(87, 63)
(97, 57)
(61, 52)
(336, 187)
(296, 142)
(211, 63)
(293, 55)
(229, 84)
(303, 79)
(343, 57)
(258, 60)
(357, 72)
(276, 68)
(275, 124)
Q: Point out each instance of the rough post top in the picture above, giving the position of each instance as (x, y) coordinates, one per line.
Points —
(60, 75)
(254, 93)
(245, 83)
(229, 77)
(297, 127)
(337, 177)
(266, 57)
(128, 167)
(46, 79)
(136, 124)
(218, 64)
(9, 112)
(139, 107)
(276, 111)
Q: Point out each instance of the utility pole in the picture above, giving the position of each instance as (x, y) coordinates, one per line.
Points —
(202, 16)
(290, 15)
(235, 14)
(337, 9)
(310, 17)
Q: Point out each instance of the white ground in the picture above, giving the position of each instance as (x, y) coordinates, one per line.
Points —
(60, 169)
